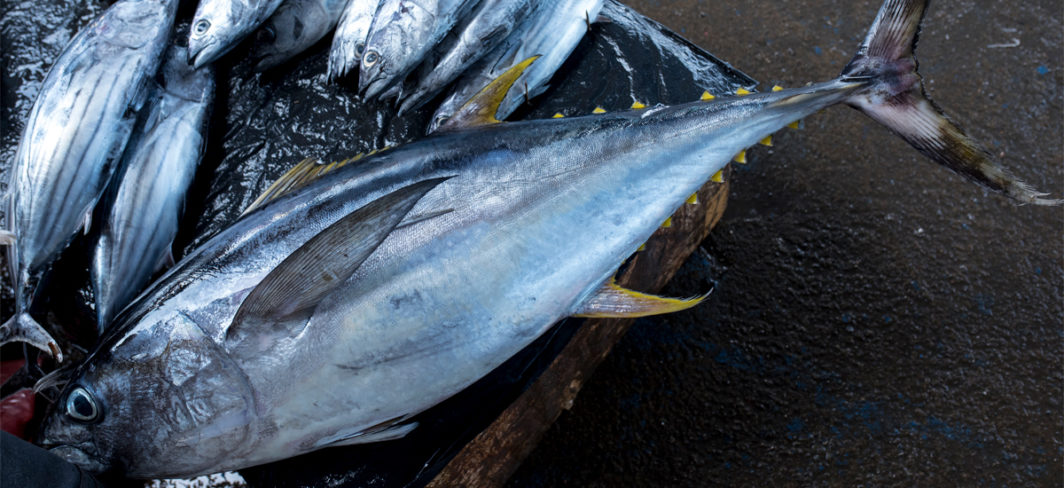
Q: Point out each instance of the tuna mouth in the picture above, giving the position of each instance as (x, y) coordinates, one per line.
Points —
(80, 458)
(202, 54)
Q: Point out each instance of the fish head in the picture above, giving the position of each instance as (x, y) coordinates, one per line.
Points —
(216, 27)
(394, 49)
(288, 32)
(152, 402)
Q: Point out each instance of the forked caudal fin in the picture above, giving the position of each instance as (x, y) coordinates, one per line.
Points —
(895, 98)
(22, 328)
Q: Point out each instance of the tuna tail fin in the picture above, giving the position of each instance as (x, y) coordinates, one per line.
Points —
(895, 97)
(22, 328)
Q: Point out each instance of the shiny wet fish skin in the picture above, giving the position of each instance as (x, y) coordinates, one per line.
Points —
(158, 166)
(402, 33)
(349, 41)
(486, 28)
(552, 30)
(295, 26)
(219, 25)
(75, 132)
(437, 261)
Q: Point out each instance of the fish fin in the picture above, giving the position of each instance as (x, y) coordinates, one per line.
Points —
(419, 218)
(389, 433)
(327, 260)
(7, 238)
(22, 328)
(299, 176)
(894, 96)
(167, 259)
(480, 109)
(613, 301)
(86, 222)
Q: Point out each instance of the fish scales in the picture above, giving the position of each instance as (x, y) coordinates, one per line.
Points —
(525, 222)
(76, 129)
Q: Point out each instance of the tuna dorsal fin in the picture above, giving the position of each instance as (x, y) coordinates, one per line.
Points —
(327, 260)
(613, 301)
(299, 176)
(480, 109)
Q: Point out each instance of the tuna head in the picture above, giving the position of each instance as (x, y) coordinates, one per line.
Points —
(160, 401)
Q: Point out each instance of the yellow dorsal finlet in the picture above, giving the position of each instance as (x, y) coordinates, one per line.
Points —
(794, 125)
(636, 105)
(480, 109)
(742, 91)
(706, 96)
(643, 247)
(614, 301)
(557, 115)
(667, 223)
(740, 158)
(767, 141)
(693, 199)
(598, 110)
(777, 88)
(717, 177)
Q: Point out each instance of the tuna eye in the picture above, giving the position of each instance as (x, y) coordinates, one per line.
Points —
(81, 406)
(359, 48)
(371, 58)
(201, 27)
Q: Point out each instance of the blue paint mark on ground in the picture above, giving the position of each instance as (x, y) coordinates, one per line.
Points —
(817, 50)
(1042, 70)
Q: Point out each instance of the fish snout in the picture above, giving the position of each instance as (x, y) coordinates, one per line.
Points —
(80, 458)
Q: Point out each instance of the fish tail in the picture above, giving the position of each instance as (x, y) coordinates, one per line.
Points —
(22, 328)
(894, 96)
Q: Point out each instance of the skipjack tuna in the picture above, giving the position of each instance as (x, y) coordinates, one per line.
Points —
(76, 130)
(334, 312)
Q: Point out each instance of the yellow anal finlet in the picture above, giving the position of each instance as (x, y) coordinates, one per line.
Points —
(693, 199)
(638, 105)
(557, 115)
(667, 222)
(767, 141)
(742, 91)
(717, 177)
(740, 158)
(598, 110)
(777, 88)
(794, 125)
(706, 96)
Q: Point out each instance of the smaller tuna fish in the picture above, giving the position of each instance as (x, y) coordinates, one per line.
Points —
(294, 27)
(553, 31)
(487, 28)
(157, 169)
(76, 130)
(402, 34)
(349, 42)
(219, 25)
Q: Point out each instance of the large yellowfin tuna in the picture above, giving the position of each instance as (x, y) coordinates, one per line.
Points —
(333, 313)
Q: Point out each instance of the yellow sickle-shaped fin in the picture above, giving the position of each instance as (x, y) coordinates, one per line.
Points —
(613, 301)
(480, 109)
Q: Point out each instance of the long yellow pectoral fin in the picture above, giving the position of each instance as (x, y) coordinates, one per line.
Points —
(613, 301)
(480, 109)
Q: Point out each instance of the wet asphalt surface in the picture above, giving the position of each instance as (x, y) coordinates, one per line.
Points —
(878, 320)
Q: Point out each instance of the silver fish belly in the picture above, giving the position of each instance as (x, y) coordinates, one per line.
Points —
(157, 168)
(75, 133)
(332, 314)
(294, 27)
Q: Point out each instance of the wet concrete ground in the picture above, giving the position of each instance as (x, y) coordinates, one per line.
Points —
(877, 320)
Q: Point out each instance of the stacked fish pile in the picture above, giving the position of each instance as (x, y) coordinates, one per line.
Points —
(400, 49)
(354, 296)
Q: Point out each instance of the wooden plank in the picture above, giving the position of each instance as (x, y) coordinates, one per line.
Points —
(494, 454)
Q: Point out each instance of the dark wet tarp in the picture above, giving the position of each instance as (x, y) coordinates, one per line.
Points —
(264, 123)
